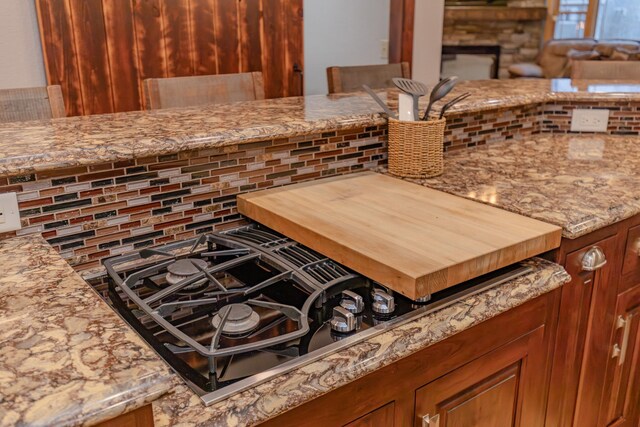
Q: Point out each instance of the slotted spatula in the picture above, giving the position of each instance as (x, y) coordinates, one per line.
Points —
(414, 88)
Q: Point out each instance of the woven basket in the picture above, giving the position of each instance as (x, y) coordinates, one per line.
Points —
(416, 148)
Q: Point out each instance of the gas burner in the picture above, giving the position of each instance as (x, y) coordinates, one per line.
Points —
(240, 319)
(241, 306)
(185, 268)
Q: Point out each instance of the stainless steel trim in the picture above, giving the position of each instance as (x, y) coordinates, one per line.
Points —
(594, 259)
(255, 380)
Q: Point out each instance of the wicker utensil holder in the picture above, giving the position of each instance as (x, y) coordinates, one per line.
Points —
(416, 148)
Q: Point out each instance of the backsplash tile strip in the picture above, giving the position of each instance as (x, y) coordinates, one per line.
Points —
(103, 210)
(89, 214)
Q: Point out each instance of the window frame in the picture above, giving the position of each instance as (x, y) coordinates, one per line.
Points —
(553, 9)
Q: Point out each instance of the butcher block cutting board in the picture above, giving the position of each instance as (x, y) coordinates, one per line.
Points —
(410, 238)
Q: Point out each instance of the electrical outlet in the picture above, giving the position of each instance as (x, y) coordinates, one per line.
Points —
(9, 213)
(384, 49)
(589, 120)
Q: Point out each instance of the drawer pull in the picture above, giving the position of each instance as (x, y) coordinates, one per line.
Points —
(620, 351)
(594, 259)
(431, 421)
(636, 246)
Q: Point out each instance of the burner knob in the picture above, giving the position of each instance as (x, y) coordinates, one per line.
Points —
(343, 320)
(352, 302)
(383, 303)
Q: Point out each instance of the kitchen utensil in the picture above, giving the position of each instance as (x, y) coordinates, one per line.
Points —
(453, 102)
(380, 102)
(405, 107)
(439, 91)
(414, 88)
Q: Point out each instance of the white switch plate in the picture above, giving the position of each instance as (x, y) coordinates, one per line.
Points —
(9, 213)
(384, 49)
(589, 120)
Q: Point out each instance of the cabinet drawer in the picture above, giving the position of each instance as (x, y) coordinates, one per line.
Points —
(632, 252)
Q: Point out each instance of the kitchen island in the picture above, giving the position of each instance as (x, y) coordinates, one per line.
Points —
(96, 187)
(60, 332)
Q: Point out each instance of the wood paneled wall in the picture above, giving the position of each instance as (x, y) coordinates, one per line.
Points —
(99, 51)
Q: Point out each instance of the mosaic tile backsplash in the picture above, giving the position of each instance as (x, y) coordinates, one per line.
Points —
(624, 117)
(89, 213)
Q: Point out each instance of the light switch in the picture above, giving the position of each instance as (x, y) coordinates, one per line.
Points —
(9, 213)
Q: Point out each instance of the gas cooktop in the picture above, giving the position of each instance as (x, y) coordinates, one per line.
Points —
(231, 310)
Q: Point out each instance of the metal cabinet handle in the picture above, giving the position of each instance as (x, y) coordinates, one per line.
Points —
(593, 259)
(621, 351)
(431, 421)
(636, 246)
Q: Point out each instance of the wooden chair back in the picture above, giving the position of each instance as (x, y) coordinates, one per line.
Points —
(192, 91)
(605, 70)
(35, 103)
(349, 79)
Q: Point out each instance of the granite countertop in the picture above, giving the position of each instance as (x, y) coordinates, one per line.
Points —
(292, 389)
(27, 147)
(579, 182)
(494, 94)
(66, 358)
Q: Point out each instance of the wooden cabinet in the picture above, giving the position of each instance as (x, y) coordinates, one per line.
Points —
(494, 374)
(584, 326)
(141, 417)
(589, 387)
(621, 392)
(381, 417)
(495, 390)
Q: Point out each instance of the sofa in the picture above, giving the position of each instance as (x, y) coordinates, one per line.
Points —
(556, 56)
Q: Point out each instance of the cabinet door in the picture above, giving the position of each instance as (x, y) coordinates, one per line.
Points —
(621, 399)
(381, 417)
(501, 389)
(585, 323)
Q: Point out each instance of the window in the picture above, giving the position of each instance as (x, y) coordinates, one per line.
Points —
(602, 19)
(618, 19)
(571, 18)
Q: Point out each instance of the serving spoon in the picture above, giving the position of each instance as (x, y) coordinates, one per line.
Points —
(439, 91)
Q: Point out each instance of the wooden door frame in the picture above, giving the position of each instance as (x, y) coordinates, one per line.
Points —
(401, 22)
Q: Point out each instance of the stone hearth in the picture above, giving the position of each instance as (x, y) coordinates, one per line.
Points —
(517, 28)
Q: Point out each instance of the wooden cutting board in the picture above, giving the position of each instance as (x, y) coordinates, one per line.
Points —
(413, 239)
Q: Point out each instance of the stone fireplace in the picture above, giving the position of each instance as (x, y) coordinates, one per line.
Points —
(517, 29)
